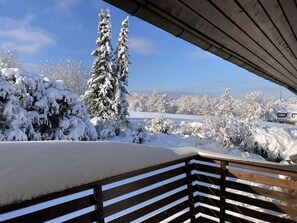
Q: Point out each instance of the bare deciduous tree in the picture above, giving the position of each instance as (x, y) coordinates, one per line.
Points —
(73, 74)
(9, 59)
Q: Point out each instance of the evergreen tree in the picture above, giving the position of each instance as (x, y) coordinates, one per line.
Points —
(101, 87)
(121, 73)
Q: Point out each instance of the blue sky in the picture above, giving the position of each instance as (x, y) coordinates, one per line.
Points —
(60, 29)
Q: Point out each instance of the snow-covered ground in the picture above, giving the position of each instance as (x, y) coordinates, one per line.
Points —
(140, 116)
(278, 136)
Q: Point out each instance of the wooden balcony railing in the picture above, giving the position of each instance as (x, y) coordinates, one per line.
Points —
(201, 188)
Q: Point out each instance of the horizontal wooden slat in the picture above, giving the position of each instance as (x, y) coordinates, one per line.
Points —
(263, 179)
(213, 158)
(150, 207)
(182, 218)
(290, 198)
(208, 211)
(88, 217)
(144, 170)
(138, 184)
(45, 198)
(262, 204)
(211, 161)
(131, 201)
(206, 169)
(206, 179)
(207, 190)
(262, 169)
(236, 219)
(205, 220)
(56, 211)
(208, 201)
(256, 214)
(168, 212)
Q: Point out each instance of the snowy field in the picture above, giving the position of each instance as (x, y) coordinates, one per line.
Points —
(280, 136)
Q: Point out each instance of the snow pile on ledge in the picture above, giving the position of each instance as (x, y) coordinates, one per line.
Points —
(31, 169)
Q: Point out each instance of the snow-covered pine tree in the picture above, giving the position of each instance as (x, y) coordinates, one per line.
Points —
(101, 87)
(121, 73)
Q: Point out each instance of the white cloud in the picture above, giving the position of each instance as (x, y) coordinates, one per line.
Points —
(65, 6)
(22, 36)
(141, 45)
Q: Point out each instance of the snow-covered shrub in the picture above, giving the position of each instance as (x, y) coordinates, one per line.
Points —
(190, 128)
(137, 132)
(13, 118)
(227, 131)
(45, 109)
(106, 129)
(159, 124)
(270, 142)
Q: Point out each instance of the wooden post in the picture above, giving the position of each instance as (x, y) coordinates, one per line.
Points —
(99, 203)
(190, 192)
(223, 191)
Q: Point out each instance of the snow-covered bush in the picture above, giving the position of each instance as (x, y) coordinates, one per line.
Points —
(190, 128)
(13, 118)
(227, 131)
(137, 132)
(159, 124)
(106, 129)
(270, 142)
(42, 109)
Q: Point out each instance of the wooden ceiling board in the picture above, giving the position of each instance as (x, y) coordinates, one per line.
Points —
(257, 35)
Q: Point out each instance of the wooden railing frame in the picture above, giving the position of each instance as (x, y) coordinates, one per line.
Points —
(221, 170)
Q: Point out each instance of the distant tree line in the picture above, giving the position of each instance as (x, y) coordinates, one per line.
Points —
(252, 105)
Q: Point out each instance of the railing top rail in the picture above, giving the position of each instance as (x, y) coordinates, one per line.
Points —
(249, 162)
